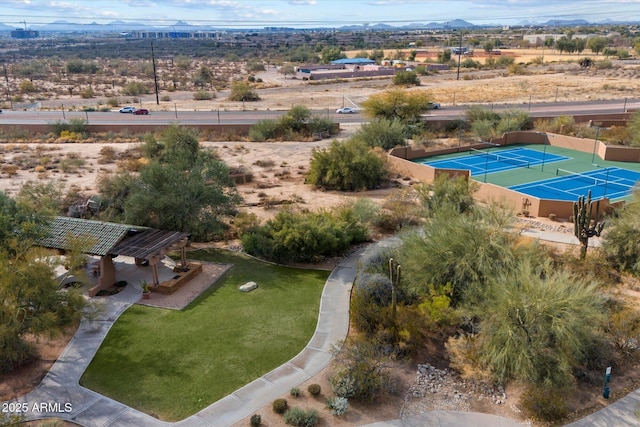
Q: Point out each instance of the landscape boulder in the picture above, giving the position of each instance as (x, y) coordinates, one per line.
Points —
(248, 287)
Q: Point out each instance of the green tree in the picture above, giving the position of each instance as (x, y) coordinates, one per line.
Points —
(463, 251)
(534, 327)
(382, 132)
(32, 304)
(398, 104)
(597, 44)
(203, 76)
(346, 166)
(329, 54)
(183, 188)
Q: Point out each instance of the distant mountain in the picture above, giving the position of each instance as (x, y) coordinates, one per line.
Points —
(566, 22)
(63, 26)
(6, 28)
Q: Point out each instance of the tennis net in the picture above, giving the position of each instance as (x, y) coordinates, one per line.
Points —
(581, 177)
(500, 158)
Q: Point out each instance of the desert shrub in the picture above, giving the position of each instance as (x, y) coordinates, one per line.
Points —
(78, 125)
(545, 403)
(280, 406)
(361, 371)
(470, 63)
(512, 121)
(165, 98)
(406, 78)
(381, 132)
(255, 420)
(375, 287)
(27, 86)
(621, 242)
(338, 405)
(241, 91)
(135, 89)
(447, 192)
(264, 130)
(346, 166)
(107, 155)
(71, 163)
(299, 418)
(604, 65)
(504, 61)
(421, 70)
(86, 93)
(314, 389)
(113, 102)
(255, 66)
(295, 392)
(319, 124)
(305, 236)
(203, 95)
(483, 129)
(375, 260)
(515, 70)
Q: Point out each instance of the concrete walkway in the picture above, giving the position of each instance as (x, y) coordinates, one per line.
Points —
(60, 395)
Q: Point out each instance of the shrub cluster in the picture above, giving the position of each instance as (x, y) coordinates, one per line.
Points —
(280, 406)
(298, 123)
(346, 166)
(305, 236)
(338, 405)
(314, 389)
(299, 418)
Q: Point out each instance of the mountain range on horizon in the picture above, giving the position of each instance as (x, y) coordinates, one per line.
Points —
(121, 26)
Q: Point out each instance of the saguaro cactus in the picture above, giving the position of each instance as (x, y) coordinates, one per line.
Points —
(585, 222)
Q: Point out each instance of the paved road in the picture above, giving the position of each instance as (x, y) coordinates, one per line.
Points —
(252, 116)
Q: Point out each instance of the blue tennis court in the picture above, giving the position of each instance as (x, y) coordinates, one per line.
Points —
(485, 161)
(612, 183)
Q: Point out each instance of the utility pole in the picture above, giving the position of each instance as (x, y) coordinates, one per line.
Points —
(459, 56)
(155, 75)
(6, 78)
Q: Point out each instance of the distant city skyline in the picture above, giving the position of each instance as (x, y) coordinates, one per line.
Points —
(312, 13)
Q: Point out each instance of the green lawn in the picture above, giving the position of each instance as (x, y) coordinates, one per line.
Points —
(171, 364)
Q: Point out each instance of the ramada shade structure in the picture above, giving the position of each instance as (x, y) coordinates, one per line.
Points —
(108, 239)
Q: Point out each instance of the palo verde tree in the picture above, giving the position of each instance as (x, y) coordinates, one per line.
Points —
(31, 302)
(533, 328)
(397, 104)
(346, 166)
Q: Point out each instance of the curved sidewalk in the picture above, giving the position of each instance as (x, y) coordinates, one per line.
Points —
(60, 395)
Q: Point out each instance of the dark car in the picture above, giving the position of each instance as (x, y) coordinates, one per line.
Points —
(140, 111)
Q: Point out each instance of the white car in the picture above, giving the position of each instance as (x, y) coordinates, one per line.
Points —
(127, 109)
(434, 105)
(345, 110)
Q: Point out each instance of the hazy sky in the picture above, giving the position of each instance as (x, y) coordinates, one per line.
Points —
(305, 13)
